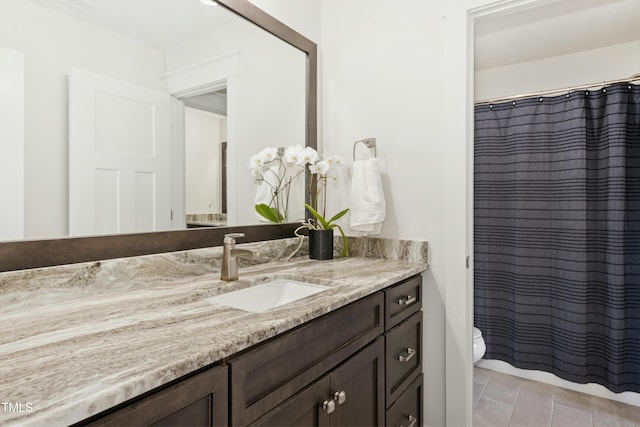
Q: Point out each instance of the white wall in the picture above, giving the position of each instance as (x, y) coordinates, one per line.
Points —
(52, 43)
(384, 67)
(382, 79)
(398, 71)
(586, 67)
(203, 135)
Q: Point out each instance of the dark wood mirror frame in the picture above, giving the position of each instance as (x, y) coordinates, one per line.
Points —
(19, 255)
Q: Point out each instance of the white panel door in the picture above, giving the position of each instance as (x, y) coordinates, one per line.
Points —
(119, 156)
(11, 144)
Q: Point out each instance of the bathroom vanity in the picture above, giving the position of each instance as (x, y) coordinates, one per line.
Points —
(134, 340)
(148, 348)
(358, 365)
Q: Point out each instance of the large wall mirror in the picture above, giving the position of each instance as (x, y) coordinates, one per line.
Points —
(128, 126)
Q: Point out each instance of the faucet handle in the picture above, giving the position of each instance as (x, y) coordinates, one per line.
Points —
(231, 237)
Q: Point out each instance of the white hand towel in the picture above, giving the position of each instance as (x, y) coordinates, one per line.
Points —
(264, 192)
(367, 198)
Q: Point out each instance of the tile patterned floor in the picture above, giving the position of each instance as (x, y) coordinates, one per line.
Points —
(502, 400)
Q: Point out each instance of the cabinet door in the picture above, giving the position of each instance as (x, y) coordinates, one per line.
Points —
(305, 409)
(197, 401)
(269, 374)
(351, 395)
(357, 387)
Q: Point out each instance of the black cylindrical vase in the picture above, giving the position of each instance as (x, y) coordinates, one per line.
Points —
(321, 244)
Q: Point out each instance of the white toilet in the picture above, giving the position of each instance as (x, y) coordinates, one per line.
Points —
(479, 347)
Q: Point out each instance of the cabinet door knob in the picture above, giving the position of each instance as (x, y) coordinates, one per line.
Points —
(406, 301)
(329, 406)
(413, 421)
(340, 397)
(410, 353)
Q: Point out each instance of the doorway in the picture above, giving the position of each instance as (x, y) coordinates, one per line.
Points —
(558, 45)
(205, 140)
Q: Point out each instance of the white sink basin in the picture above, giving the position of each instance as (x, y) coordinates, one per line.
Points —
(267, 295)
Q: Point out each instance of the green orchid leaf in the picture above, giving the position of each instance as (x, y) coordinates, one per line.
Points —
(338, 215)
(321, 220)
(269, 213)
(345, 242)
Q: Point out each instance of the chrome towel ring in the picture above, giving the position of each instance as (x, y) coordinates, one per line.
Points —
(369, 143)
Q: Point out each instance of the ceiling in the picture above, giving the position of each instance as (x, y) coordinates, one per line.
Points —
(158, 23)
(557, 28)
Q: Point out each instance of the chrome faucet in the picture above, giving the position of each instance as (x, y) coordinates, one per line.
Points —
(230, 255)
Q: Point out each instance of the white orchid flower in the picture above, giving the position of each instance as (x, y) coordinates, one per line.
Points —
(309, 155)
(268, 154)
(256, 174)
(256, 161)
(334, 160)
(293, 154)
(320, 167)
(292, 163)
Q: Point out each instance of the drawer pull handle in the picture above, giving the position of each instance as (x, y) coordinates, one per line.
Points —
(406, 301)
(413, 420)
(410, 353)
(329, 406)
(340, 397)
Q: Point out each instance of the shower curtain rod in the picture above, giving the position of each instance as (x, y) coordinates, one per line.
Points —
(634, 78)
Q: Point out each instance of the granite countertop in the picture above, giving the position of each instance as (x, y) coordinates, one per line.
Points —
(64, 359)
(207, 219)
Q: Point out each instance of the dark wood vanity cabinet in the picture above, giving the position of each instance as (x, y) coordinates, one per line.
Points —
(403, 353)
(200, 400)
(269, 374)
(377, 342)
(360, 365)
(350, 395)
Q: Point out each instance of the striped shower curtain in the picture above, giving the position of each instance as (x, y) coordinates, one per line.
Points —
(557, 234)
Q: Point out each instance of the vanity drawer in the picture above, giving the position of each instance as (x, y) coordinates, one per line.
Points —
(270, 373)
(403, 355)
(407, 410)
(402, 300)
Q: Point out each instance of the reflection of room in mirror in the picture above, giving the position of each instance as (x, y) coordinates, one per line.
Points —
(145, 43)
(205, 152)
(12, 144)
(206, 220)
